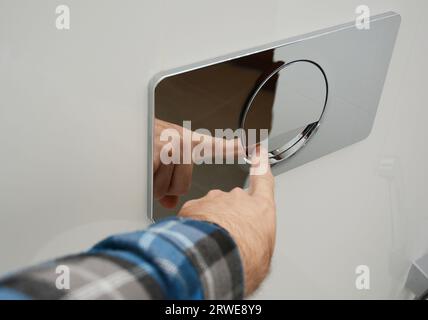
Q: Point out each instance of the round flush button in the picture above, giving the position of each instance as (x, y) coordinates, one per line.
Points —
(289, 102)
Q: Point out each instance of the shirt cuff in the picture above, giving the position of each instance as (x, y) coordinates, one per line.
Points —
(193, 259)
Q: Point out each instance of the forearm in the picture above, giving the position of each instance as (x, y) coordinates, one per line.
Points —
(173, 259)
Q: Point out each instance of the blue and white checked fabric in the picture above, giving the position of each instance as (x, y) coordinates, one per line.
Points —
(173, 259)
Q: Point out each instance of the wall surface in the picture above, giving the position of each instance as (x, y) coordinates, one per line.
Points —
(73, 117)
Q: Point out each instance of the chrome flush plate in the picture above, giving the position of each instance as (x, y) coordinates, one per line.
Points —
(319, 92)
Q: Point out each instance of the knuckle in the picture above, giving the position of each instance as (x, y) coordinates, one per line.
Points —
(237, 191)
(214, 193)
(188, 204)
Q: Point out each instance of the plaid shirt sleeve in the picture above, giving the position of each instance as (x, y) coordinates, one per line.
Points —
(172, 259)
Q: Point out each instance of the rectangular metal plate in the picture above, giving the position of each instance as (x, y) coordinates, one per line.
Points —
(212, 94)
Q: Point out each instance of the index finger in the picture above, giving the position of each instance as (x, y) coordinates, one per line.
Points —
(261, 179)
(219, 147)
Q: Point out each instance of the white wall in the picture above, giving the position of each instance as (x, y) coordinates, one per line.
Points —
(73, 113)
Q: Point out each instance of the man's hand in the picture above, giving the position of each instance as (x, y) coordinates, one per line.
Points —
(249, 216)
(169, 180)
(173, 180)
